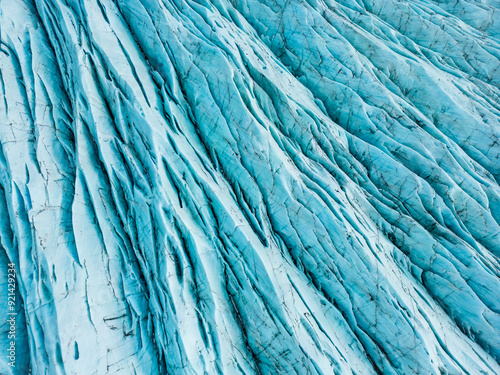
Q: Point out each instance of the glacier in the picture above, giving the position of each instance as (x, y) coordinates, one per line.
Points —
(250, 186)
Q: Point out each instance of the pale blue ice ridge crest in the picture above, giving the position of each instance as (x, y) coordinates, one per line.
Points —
(251, 186)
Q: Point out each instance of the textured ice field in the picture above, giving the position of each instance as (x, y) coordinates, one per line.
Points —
(251, 186)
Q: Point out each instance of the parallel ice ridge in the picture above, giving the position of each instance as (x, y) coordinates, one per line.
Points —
(251, 186)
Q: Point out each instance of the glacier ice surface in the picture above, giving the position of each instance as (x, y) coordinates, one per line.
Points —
(251, 186)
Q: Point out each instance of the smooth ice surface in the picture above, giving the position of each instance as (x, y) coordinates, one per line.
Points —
(251, 186)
